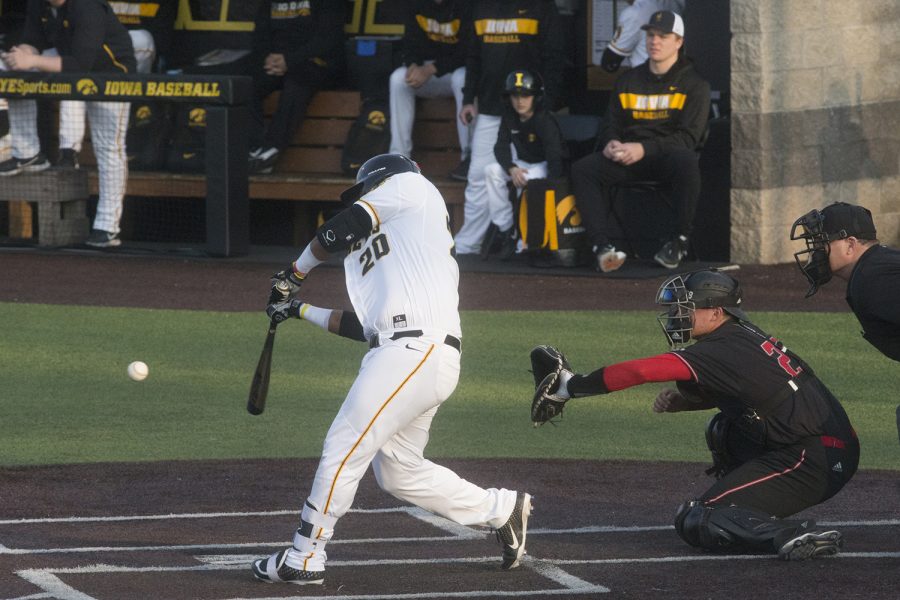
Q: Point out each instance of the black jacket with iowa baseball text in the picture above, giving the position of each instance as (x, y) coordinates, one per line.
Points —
(86, 33)
(433, 33)
(659, 111)
(301, 30)
(509, 35)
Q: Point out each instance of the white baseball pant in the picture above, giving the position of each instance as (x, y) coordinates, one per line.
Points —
(71, 112)
(403, 106)
(385, 420)
(476, 216)
(496, 180)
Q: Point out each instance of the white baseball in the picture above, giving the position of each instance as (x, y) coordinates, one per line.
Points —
(138, 370)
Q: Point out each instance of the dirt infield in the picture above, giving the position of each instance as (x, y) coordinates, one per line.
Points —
(188, 529)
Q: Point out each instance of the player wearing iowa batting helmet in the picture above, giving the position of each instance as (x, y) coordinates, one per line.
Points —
(781, 442)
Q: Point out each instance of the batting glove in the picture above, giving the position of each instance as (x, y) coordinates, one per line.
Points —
(285, 285)
(282, 311)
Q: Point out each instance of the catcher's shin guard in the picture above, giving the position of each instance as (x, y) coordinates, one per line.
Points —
(733, 527)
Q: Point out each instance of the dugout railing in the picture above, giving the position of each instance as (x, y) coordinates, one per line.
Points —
(60, 195)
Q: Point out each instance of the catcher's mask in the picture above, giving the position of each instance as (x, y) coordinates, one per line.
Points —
(818, 228)
(374, 171)
(682, 294)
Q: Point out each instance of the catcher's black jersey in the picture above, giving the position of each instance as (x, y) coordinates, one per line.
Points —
(752, 376)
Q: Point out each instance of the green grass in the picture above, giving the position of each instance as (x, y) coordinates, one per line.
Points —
(65, 397)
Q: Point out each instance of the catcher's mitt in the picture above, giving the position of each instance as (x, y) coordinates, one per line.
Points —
(547, 365)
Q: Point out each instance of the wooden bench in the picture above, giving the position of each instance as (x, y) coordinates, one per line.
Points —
(309, 172)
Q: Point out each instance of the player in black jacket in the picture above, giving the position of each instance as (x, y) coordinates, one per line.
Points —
(75, 36)
(298, 47)
(781, 442)
(506, 35)
(529, 146)
(657, 118)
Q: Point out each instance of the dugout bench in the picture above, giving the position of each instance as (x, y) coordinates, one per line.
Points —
(309, 175)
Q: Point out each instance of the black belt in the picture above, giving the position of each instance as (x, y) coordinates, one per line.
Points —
(451, 341)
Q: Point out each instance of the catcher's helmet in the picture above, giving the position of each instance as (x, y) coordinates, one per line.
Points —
(683, 294)
(374, 171)
(524, 82)
(818, 228)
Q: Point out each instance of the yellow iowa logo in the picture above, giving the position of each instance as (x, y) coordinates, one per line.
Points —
(376, 117)
(143, 113)
(197, 116)
(565, 208)
(86, 87)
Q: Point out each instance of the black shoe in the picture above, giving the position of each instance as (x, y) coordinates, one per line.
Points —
(284, 573)
(674, 251)
(263, 161)
(14, 166)
(68, 159)
(461, 172)
(811, 544)
(512, 534)
(103, 239)
(490, 239)
(508, 244)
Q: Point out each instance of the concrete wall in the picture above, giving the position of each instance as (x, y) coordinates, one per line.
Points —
(815, 88)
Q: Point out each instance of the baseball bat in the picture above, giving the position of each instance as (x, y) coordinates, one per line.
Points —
(259, 387)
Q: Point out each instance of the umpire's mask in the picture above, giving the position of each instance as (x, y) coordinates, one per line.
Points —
(818, 228)
(682, 294)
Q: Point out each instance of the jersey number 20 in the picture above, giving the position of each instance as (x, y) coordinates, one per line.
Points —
(378, 248)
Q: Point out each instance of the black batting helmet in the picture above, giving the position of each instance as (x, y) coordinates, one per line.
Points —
(524, 82)
(374, 171)
(683, 294)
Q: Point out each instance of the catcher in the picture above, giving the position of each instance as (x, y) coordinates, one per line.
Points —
(781, 442)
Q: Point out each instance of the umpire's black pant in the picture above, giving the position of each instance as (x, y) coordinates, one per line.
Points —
(297, 88)
(593, 175)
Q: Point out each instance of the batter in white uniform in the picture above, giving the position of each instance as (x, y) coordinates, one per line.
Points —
(402, 279)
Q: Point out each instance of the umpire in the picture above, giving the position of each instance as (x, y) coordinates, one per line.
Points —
(841, 240)
(781, 442)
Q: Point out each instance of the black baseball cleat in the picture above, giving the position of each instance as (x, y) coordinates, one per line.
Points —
(811, 544)
(68, 159)
(274, 570)
(103, 239)
(512, 534)
(14, 166)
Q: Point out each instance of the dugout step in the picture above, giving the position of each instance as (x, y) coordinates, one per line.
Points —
(61, 196)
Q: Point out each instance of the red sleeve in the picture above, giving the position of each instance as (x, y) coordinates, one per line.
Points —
(662, 367)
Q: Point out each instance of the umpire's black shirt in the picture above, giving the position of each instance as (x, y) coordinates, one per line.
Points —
(873, 293)
(86, 33)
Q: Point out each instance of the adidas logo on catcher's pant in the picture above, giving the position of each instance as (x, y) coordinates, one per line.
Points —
(274, 570)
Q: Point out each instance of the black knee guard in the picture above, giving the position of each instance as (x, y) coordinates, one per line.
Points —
(692, 522)
(722, 527)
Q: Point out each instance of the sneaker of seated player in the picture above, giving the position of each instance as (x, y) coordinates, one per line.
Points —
(672, 253)
(264, 161)
(275, 569)
(14, 166)
(103, 239)
(608, 258)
